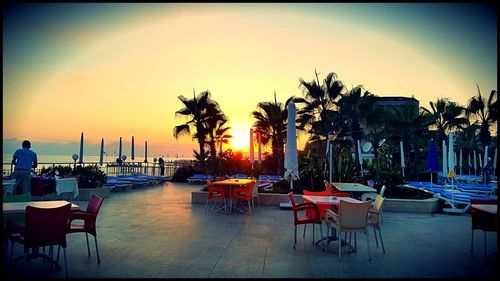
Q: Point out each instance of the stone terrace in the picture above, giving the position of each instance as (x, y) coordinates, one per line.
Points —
(157, 233)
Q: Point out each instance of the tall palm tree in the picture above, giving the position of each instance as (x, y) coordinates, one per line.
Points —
(195, 110)
(320, 116)
(486, 112)
(446, 116)
(214, 119)
(271, 121)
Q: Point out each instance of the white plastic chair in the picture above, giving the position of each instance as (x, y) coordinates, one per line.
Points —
(255, 194)
(373, 196)
(351, 217)
(373, 219)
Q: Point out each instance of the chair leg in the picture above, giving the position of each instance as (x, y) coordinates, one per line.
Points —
(381, 240)
(97, 249)
(88, 247)
(65, 263)
(313, 234)
(484, 244)
(472, 241)
(206, 205)
(375, 234)
(368, 246)
(340, 246)
(295, 237)
(304, 234)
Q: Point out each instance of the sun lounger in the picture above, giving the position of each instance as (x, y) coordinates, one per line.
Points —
(199, 178)
(272, 178)
(458, 201)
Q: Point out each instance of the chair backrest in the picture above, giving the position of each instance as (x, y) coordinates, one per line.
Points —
(328, 187)
(483, 201)
(353, 216)
(382, 190)
(317, 193)
(292, 199)
(379, 202)
(255, 190)
(25, 197)
(46, 226)
(94, 205)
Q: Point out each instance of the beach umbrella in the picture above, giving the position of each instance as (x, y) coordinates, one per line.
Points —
(485, 161)
(329, 155)
(460, 161)
(445, 163)
(259, 153)
(252, 159)
(101, 154)
(469, 166)
(495, 161)
(480, 162)
(146, 152)
(120, 149)
(451, 163)
(360, 158)
(132, 152)
(474, 164)
(81, 149)
(402, 157)
(455, 160)
(431, 162)
(291, 161)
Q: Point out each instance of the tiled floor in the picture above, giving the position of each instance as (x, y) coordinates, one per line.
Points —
(157, 232)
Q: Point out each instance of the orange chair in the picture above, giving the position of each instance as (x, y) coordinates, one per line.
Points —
(483, 221)
(245, 193)
(335, 191)
(322, 207)
(44, 227)
(305, 219)
(89, 218)
(215, 193)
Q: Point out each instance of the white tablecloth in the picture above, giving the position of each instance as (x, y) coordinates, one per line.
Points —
(67, 185)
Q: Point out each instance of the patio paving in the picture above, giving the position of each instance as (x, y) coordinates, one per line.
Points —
(157, 233)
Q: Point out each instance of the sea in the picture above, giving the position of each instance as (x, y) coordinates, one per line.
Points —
(47, 158)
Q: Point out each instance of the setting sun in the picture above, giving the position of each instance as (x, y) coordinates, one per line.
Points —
(241, 138)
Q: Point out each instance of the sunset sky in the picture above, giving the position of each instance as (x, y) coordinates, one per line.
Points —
(115, 70)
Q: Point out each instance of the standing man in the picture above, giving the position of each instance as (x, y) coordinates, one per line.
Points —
(24, 159)
(162, 165)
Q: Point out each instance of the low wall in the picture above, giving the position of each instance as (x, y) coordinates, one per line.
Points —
(430, 205)
(83, 194)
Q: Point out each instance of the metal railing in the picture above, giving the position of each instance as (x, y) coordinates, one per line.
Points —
(109, 168)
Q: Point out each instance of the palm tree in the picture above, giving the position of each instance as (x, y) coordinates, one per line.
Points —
(271, 121)
(485, 112)
(195, 110)
(446, 116)
(214, 120)
(320, 116)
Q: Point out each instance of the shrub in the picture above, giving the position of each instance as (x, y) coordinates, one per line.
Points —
(90, 176)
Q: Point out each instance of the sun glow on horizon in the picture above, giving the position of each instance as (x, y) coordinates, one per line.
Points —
(241, 138)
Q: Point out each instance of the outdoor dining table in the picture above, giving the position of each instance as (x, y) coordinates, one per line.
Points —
(352, 187)
(64, 185)
(230, 183)
(20, 207)
(334, 202)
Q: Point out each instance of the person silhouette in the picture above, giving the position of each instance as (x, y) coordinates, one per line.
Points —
(24, 160)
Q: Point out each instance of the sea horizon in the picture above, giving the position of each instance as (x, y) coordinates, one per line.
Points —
(53, 158)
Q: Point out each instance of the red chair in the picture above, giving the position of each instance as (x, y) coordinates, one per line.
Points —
(89, 218)
(244, 193)
(216, 193)
(305, 219)
(335, 191)
(322, 207)
(44, 227)
(483, 221)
